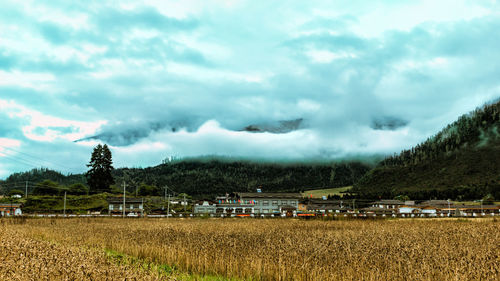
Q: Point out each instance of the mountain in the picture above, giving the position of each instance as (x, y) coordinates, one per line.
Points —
(388, 123)
(276, 127)
(462, 161)
(208, 176)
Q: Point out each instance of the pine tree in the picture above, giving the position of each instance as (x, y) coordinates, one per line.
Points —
(99, 176)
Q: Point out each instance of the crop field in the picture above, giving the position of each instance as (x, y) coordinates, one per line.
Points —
(249, 249)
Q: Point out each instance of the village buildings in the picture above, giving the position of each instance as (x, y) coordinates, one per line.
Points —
(133, 206)
(293, 204)
(252, 204)
(10, 209)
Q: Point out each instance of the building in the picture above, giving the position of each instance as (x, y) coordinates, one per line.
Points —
(429, 210)
(258, 203)
(409, 209)
(472, 210)
(378, 211)
(9, 209)
(388, 204)
(302, 207)
(204, 207)
(435, 203)
(133, 206)
(327, 206)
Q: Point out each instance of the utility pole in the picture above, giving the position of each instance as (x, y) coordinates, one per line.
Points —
(185, 203)
(481, 207)
(123, 199)
(449, 208)
(168, 206)
(26, 193)
(64, 212)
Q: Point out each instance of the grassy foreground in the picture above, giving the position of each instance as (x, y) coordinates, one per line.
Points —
(188, 249)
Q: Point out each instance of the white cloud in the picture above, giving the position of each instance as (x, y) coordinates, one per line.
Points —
(324, 56)
(207, 69)
(46, 128)
(6, 143)
(26, 79)
(407, 15)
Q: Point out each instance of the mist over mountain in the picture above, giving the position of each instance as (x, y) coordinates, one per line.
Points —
(279, 127)
(462, 161)
(388, 123)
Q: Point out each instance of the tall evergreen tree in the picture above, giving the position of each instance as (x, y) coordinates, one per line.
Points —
(99, 176)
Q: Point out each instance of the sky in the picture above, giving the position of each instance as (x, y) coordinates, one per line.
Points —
(158, 79)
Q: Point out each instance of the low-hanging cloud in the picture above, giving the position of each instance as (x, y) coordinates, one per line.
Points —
(266, 80)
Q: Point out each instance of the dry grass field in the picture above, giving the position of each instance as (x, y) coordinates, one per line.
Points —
(250, 249)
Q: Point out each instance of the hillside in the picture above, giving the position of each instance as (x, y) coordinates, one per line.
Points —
(460, 162)
(210, 177)
(216, 177)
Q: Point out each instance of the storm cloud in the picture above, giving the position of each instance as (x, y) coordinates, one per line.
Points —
(184, 78)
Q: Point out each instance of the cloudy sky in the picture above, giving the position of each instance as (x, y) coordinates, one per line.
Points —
(264, 79)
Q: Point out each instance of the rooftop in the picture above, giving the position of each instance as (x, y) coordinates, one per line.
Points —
(277, 195)
(434, 203)
(119, 200)
(389, 202)
(9, 205)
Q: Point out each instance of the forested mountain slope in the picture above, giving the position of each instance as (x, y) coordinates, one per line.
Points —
(460, 162)
(215, 177)
(208, 177)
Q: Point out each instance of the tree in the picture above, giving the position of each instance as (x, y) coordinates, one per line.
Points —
(16, 192)
(402, 198)
(99, 176)
(488, 199)
(46, 187)
(149, 190)
(77, 189)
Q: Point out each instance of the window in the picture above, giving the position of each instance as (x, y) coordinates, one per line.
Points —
(131, 206)
(120, 207)
(111, 207)
(140, 206)
(293, 202)
(265, 211)
(265, 203)
(275, 202)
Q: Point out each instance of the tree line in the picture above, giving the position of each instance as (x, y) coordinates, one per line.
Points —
(196, 177)
(477, 128)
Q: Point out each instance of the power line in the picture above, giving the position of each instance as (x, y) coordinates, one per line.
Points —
(7, 157)
(32, 160)
(32, 156)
